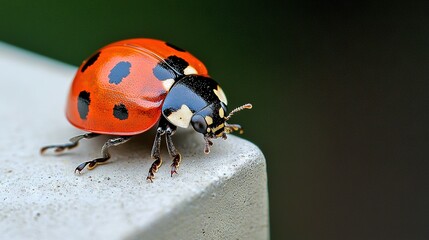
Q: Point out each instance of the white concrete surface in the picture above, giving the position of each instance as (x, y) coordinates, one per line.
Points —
(222, 195)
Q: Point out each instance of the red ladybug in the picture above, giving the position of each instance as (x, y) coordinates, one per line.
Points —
(127, 87)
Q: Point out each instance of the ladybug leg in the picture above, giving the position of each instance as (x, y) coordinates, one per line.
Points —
(104, 151)
(74, 141)
(208, 145)
(164, 127)
(229, 128)
(177, 158)
(156, 153)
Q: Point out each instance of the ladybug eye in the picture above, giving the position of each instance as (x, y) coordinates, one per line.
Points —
(199, 124)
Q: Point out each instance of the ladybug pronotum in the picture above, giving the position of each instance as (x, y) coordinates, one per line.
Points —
(127, 87)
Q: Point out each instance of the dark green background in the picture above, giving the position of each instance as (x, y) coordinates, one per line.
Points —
(340, 94)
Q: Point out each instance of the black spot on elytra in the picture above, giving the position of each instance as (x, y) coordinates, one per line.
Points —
(120, 111)
(170, 67)
(90, 61)
(119, 72)
(175, 47)
(83, 102)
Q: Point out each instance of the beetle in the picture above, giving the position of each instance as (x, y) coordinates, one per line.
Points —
(127, 87)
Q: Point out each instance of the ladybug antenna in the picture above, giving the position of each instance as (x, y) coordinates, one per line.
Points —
(245, 106)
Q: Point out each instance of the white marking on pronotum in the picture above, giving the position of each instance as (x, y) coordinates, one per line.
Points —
(167, 83)
(220, 94)
(181, 117)
(189, 70)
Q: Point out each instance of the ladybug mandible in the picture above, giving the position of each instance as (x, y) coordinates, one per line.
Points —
(127, 87)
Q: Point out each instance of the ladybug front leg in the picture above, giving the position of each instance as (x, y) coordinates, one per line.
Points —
(104, 151)
(74, 141)
(164, 127)
(229, 128)
(156, 153)
(177, 158)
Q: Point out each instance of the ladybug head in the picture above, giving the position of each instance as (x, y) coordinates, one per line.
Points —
(212, 122)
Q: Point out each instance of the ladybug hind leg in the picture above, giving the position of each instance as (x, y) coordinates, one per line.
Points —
(74, 141)
(167, 129)
(104, 152)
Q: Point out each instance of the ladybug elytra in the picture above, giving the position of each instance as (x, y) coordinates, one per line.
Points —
(127, 87)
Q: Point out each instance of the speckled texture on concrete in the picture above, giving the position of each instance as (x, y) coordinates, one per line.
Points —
(222, 195)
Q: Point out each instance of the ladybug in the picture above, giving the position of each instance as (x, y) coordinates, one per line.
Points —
(128, 86)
